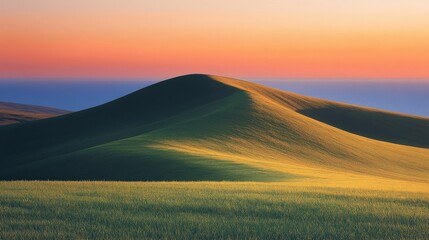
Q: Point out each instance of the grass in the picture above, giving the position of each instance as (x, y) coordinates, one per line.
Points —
(207, 210)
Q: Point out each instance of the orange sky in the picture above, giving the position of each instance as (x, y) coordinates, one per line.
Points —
(241, 38)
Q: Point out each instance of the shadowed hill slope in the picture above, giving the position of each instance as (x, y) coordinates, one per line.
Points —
(200, 127)
(17, 113)
(372, 123)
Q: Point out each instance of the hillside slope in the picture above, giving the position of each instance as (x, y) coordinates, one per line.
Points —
(18, 113)
(201, 127)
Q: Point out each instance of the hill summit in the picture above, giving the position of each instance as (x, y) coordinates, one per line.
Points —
(205, 127)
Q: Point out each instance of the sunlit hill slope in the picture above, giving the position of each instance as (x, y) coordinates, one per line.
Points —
(17, 113)
(201, 127)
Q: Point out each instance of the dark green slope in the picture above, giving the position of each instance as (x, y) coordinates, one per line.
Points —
(131, 115)
(133, 158)
(72, 147)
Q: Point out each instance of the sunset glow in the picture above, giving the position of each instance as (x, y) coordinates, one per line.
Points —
(158, 39)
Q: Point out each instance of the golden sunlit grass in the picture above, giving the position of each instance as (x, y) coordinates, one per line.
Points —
(273, 135)
(207, 210)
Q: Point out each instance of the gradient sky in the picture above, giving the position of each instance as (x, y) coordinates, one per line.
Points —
(240, 38)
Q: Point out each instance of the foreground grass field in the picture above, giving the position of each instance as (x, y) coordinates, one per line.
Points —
(222, 210)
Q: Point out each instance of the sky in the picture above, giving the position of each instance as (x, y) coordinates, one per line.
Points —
(318, 39)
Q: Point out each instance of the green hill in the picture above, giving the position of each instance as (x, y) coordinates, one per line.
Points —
(17, 113)
(201, 127)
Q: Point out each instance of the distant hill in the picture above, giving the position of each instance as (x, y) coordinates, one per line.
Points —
(18, 113)
(203, 127)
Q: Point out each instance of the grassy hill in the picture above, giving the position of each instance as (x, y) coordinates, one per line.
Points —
(201, 127)
(18, 113)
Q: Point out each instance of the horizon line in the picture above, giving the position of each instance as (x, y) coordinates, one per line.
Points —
(248, 78)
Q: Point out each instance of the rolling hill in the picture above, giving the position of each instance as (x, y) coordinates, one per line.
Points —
(210, 128)
(18, 113)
